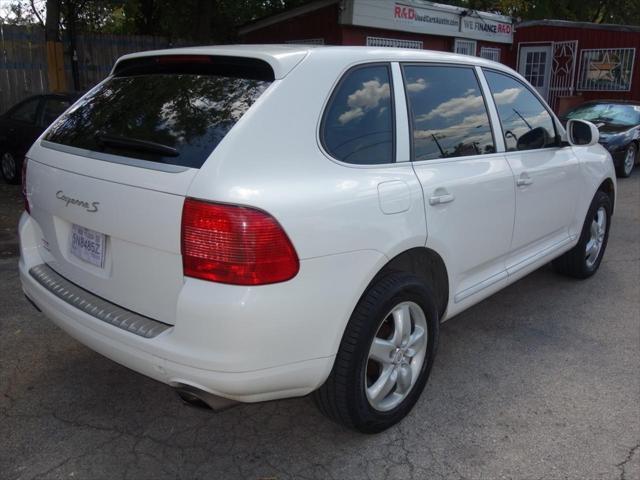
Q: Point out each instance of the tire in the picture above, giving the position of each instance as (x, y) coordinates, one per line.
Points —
(10, 167)
(347, 396)
(578, 262)
(628, 161)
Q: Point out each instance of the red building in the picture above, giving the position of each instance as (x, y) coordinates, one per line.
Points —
(568, 62)
(387, 23)
(571, 62)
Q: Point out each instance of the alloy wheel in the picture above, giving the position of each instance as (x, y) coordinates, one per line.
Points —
(8, 166)
(396, 356)
(596, 240)
(629, 159)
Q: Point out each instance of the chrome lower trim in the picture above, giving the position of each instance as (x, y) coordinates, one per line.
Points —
(96, 306)
(516, 267)
(472, 290)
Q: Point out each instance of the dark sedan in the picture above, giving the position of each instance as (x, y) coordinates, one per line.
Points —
(22, 124)
(619, 126)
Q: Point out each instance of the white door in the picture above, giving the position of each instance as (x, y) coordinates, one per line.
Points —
(547, 174)
(469, 191)
(535, 66)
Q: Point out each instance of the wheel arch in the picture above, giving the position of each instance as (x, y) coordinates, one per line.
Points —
(608, 187)
(426, 264)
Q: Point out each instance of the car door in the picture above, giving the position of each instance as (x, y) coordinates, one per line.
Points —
(468, 186)
(547, 174)
(20, 128)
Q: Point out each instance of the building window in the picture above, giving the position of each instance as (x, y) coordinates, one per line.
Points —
(606, 69)
(490, 53)
(465, 47)
(307, 41)
(393, 42)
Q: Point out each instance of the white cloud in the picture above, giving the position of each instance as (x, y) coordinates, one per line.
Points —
(417, 86)
(349, 115)
(468, 102)
(458, 130)
(508, 95)
(454, 106)
(364, 99)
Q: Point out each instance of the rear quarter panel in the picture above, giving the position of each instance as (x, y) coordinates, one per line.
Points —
(271, 160)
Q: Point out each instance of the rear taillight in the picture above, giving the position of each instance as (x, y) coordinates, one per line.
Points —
(25, 196)
(236, 245)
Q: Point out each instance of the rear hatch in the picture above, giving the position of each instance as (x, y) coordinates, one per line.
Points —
(107, 181)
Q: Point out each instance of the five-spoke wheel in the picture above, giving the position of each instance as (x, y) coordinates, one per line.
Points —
(596, 240)
(385, 356)
(396, 356)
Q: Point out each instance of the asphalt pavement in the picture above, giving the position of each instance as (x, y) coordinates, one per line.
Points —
(541, 381)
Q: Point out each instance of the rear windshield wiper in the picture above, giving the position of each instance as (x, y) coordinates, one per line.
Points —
(136, 144)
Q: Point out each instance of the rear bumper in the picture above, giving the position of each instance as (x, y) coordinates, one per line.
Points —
(239, 353)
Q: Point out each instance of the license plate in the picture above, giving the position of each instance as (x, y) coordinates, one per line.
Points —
(88, 245)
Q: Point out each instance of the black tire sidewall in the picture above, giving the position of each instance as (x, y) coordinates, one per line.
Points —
(405, 288)
(600, 199)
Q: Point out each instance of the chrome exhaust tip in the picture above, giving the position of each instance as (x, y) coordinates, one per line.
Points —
(194, 397)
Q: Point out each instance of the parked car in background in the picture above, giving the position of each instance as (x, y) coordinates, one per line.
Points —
(619, 126)
(247, 223)
(22, 124)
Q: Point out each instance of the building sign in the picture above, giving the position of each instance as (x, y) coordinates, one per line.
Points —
(430, 18)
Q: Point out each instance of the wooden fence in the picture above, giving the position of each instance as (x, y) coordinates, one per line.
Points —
(23, 59)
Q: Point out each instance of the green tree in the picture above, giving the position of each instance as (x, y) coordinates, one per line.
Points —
(216, 21)
(626, 12)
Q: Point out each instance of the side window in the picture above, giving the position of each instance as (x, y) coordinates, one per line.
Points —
(448, 112)
(526, 123)
(26, 112)
(358, 123)
(53, 108)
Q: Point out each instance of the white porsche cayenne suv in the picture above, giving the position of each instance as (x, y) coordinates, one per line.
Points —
(248, 223)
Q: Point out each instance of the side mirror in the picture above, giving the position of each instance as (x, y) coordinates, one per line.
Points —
(583, 133)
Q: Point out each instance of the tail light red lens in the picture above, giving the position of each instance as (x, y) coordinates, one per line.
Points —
(25, 196)
(236, 245)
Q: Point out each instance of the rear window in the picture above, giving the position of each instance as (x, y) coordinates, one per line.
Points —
(172, 110)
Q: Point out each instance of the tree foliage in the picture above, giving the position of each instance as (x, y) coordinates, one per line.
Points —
(626, 12)
(216, 21)
(212, 21)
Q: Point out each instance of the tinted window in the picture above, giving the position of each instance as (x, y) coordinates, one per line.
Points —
(358, 123)
(526, 124)
(26, 112)
(53, 108)
(449, 116)
(175, 118)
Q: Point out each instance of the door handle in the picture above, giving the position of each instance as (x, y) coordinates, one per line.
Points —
(441, 198)
(524, 180)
